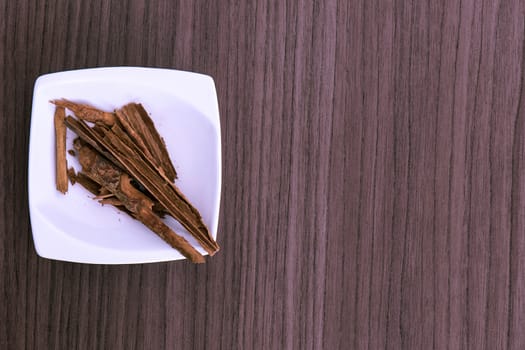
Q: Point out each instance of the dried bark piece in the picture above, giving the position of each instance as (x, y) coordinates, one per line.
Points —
(114, 201)
(60, 149)
(71, 174)
(85, 182)
(141, 128)
(103, 192)
(104, 196)
(86, 112)
(93, 187)
(115, 149)
(139, 205)
(157, 142)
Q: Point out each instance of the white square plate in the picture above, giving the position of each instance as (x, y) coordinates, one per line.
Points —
(74, 227)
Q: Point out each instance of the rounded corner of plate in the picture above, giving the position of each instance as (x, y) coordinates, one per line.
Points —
(42, 79)
(39, 80)
(39, 250)
(210, 80)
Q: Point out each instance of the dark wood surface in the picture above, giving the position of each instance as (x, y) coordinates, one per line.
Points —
(373, 177)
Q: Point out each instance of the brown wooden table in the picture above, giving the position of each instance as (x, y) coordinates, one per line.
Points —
(373, 177)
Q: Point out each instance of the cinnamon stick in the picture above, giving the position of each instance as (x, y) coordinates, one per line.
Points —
(141, 128)
(158, 143)
(86, 112)
(60, 149)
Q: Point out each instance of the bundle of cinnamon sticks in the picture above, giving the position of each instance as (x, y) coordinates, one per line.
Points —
(125, 163)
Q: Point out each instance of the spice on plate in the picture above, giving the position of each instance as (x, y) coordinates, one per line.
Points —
(60, 150)
(125, 163)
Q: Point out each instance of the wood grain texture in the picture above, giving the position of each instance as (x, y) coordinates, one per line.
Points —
(373, 176)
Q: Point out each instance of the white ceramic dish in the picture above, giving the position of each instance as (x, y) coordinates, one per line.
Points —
(74, 227)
